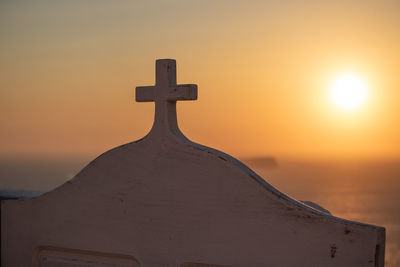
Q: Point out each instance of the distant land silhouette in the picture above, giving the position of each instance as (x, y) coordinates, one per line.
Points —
(265, 162)
(18, 194)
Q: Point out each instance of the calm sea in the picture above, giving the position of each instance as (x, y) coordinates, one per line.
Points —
(367, 192)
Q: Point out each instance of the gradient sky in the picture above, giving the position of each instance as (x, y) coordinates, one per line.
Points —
(68, 70)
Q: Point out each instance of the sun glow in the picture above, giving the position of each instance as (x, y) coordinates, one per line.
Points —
(348, 91)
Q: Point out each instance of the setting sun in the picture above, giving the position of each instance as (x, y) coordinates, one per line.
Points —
(348, 91)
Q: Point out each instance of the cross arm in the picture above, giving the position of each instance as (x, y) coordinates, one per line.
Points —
(174, 93)
(145, 93)
(182, 92)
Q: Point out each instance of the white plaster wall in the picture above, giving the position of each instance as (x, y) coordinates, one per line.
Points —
(170, 202)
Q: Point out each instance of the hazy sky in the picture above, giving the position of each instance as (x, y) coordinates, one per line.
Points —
(68, 70)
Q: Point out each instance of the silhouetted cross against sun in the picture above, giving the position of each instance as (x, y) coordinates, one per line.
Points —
(165, 93)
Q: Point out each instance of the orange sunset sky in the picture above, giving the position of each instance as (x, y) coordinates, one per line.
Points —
(68, 70)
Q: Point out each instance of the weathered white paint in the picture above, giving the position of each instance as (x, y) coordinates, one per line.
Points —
(166, 201)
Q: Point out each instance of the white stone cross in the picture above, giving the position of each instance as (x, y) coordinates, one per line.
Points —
(165, 93)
